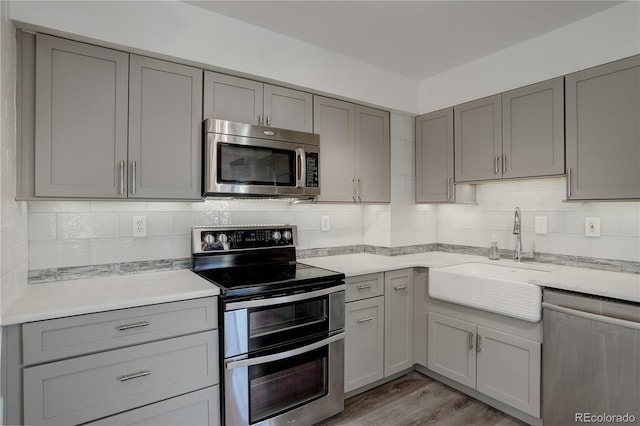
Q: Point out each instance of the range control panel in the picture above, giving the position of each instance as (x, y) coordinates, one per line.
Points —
(220, 239)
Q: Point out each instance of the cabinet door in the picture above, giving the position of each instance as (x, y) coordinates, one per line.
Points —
(364, 342)
(398, 321)
(232, 98)
(335, 122)
(165, 122)
(603, 135)
(373, 177)
(434, 157)
(533, 130)
(81, 119)
(288, 109)
(451, 348)
(509, 369)
(200, 408)
(478, 140)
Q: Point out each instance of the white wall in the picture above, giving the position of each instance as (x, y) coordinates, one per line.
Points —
(179, 30)
(13, 215)
(604, 37)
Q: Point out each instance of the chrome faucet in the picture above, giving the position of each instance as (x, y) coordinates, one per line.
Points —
(517, 256)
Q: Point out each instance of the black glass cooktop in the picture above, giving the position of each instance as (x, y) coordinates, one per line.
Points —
(268, 281)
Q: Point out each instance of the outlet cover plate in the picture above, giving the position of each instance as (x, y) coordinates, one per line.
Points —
(592, 226)
(325, 223)
(139, 226)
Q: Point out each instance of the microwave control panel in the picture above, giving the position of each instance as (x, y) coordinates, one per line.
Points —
(312, 174)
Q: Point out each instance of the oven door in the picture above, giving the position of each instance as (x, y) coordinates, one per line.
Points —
(303, 385)
(256, 325)
(247, 165)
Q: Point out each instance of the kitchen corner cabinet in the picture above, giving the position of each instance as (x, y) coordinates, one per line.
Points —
(434, 157)
(147, 365)
(516, 134)
(113, 125)
(497, 364)
(355, 146)
(398, 321)
(248, 101)
(603, 135)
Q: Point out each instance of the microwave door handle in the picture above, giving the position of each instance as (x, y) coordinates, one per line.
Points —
(282, 355)
(301, 169)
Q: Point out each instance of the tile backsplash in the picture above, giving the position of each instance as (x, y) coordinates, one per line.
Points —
(72, 233)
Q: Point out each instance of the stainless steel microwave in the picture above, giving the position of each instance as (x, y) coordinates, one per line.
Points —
(245, 159)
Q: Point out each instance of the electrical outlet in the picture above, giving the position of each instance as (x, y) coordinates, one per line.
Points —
(139, 226)
(592, 226)
(325, 223)
(541, 225)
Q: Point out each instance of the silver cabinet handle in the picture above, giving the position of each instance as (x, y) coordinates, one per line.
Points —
(260, 119)
(367, 319)
(134, 166)
(360, 189)
(302, 169)
(504, 163)
(470, 340)
(400, 287)
(478, 339)
(134, 376)
(135, 325)
(353, 184)
(569, 194)
(495, 168)
(282, 355)
(363, 286)
(449, 189)
(122, 164)
(268, 120)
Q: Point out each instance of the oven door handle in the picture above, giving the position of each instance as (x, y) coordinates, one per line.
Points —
(283, 299)
(282, 355)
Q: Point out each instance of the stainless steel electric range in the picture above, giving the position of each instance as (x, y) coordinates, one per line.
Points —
(282, 327)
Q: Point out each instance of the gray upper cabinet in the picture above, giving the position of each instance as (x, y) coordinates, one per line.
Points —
(533, 130)
(434, 157)
(478, 140)
(81, 119)
(165, 136)
(238, 99)
(603, 134)
(355, 149)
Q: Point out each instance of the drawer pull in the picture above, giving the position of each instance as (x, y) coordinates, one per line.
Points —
(136, 325)
(134, 376)
(400, 287)
(363, 286)
(367, 319)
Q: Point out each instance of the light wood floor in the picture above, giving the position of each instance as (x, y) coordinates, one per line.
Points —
(414, 399)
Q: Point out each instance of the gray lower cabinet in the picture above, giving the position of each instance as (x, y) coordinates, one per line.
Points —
(109, 124)
(478, 140)
(248, 101)
(147, 365)
(497, 364)
(355, 142)
(603, 136)
(398, 321)
(434, 157)
(165, 129)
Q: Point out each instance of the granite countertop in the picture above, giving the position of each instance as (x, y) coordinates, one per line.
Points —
(616, 285)
(65, 298)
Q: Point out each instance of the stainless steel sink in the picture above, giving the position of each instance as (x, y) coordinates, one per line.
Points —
(500, 288)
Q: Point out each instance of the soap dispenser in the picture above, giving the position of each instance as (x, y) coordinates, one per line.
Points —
(493, 250)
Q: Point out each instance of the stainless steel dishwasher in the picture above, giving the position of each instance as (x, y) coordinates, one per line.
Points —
(590, 360)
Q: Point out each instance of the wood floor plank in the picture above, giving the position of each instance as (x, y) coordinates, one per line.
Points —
(414, 399)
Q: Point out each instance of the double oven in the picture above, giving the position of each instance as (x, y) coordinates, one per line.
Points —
(282, 342)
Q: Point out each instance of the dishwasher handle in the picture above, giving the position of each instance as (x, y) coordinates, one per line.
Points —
(594, 317)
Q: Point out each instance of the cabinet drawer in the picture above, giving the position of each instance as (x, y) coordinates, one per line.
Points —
(87, 388)
(193, 409)
(364, 286)
(79, 335)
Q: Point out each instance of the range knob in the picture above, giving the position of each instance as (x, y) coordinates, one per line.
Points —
(276, 235)
(208, 239)
(287, 235)
(222, 238)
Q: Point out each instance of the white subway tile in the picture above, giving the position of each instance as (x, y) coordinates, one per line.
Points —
(42, 226)
(112, 250)
(58, 253)
(59, 206)
(118, 206)
(616, 248)
(87, 225)
(169, 247)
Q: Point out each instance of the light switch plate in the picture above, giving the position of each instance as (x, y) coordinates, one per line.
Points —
(325, 223)
(541, 225)
(592, 226)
